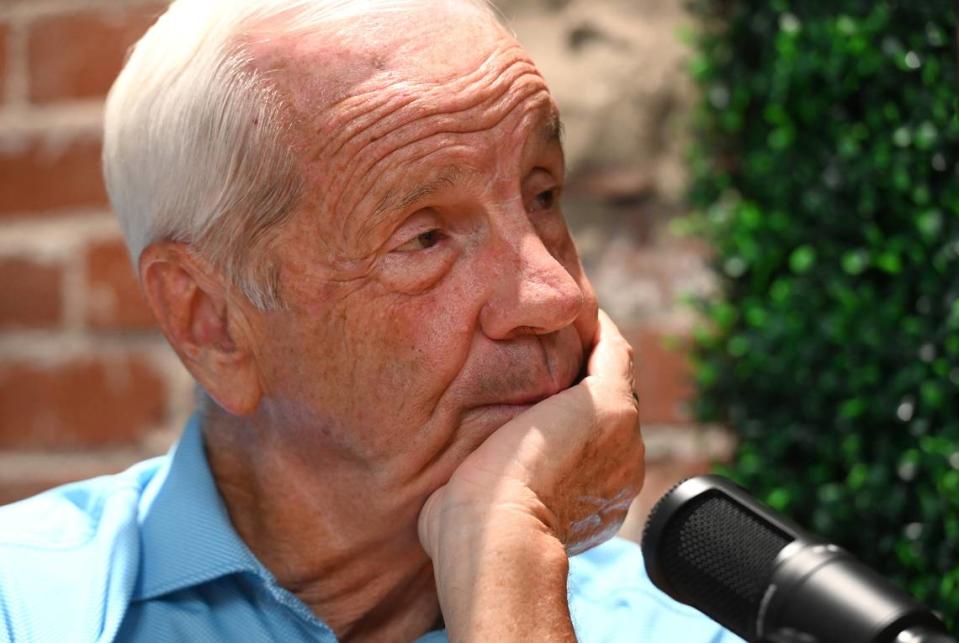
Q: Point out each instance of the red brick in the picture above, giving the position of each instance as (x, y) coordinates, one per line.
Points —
(38, 174)
(113, 299)
(19, 489)
(81, 403)
(12, 490)
(78, 55)
(30, 293)
(663, 379)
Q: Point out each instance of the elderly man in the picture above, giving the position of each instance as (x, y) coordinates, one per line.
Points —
(345, 216)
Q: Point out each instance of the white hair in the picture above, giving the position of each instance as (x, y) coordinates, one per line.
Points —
(195, 140)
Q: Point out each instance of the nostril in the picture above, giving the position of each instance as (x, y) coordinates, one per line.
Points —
(533, 293)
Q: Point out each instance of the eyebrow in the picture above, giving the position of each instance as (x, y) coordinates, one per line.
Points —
(447, 177)
(554, 128)
(552, 132)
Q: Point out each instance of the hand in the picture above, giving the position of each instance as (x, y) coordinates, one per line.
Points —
(570, 465)
(555, 480)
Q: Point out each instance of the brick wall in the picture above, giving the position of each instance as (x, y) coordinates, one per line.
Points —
(88, 386)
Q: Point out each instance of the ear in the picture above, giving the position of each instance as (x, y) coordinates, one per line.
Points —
(203, 323)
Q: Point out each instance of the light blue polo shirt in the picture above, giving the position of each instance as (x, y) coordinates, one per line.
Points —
(150, 555)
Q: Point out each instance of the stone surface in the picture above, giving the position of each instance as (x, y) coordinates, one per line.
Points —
(616, 68)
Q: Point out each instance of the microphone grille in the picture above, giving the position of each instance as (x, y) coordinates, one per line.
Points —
(720, 557)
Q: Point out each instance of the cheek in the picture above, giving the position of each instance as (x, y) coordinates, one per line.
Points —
(415, 273)
(406, 350)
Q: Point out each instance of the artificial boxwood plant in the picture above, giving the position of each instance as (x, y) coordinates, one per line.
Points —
(825, 176)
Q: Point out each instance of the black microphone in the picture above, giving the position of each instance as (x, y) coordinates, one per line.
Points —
(711, 545)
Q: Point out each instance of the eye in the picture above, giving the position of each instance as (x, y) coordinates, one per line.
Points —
(422, 241)
(545, 200)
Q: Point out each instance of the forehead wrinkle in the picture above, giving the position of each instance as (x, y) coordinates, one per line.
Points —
(356, 119)
(530, 121)
(372, 110)
(364, 163)
(451, 124)
(377, 123)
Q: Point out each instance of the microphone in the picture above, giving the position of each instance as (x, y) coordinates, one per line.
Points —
(710, 545)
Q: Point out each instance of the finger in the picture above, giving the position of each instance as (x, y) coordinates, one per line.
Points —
(612, 355)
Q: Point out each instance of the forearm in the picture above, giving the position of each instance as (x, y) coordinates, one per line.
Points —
(503, 583)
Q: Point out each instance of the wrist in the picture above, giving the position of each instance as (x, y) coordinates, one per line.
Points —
(503, 581)
(500, 569)
(501, 534)
(468, 519)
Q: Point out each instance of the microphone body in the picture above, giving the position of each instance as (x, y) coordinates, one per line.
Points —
(711, 545)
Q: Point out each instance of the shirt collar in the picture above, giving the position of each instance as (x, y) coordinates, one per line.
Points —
(186, 534)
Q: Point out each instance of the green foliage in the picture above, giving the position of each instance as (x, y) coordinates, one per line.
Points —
(826, 177)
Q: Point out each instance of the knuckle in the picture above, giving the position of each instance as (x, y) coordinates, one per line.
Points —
(639, 479)
(621, 344)
(629, 410)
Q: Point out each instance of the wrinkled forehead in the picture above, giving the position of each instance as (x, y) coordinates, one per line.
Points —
(384, 101)
(420, 45)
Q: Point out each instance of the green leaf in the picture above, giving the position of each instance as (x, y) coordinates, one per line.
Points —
(778, 499)
(929, 223)
(855, 262)
(802, 259)
(932, 394)
(854, 408)
(889, 262)
(829, 175)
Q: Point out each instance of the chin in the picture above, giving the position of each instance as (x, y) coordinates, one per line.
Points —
(476, 425)
(480, 422)
(493, 416)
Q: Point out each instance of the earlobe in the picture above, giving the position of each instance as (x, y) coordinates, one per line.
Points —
(193, 307)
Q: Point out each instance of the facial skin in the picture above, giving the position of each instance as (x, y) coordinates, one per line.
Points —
(432, 286)
(432, 295)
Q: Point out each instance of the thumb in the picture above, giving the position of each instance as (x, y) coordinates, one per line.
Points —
(426, 524)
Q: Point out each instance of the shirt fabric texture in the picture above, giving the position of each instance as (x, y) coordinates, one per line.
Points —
(150, 555)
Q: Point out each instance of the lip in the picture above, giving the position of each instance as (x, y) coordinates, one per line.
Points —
(534, 394)
(543, 384)
(497, 411)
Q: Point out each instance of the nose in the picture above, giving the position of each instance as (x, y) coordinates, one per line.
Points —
(531, 293)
